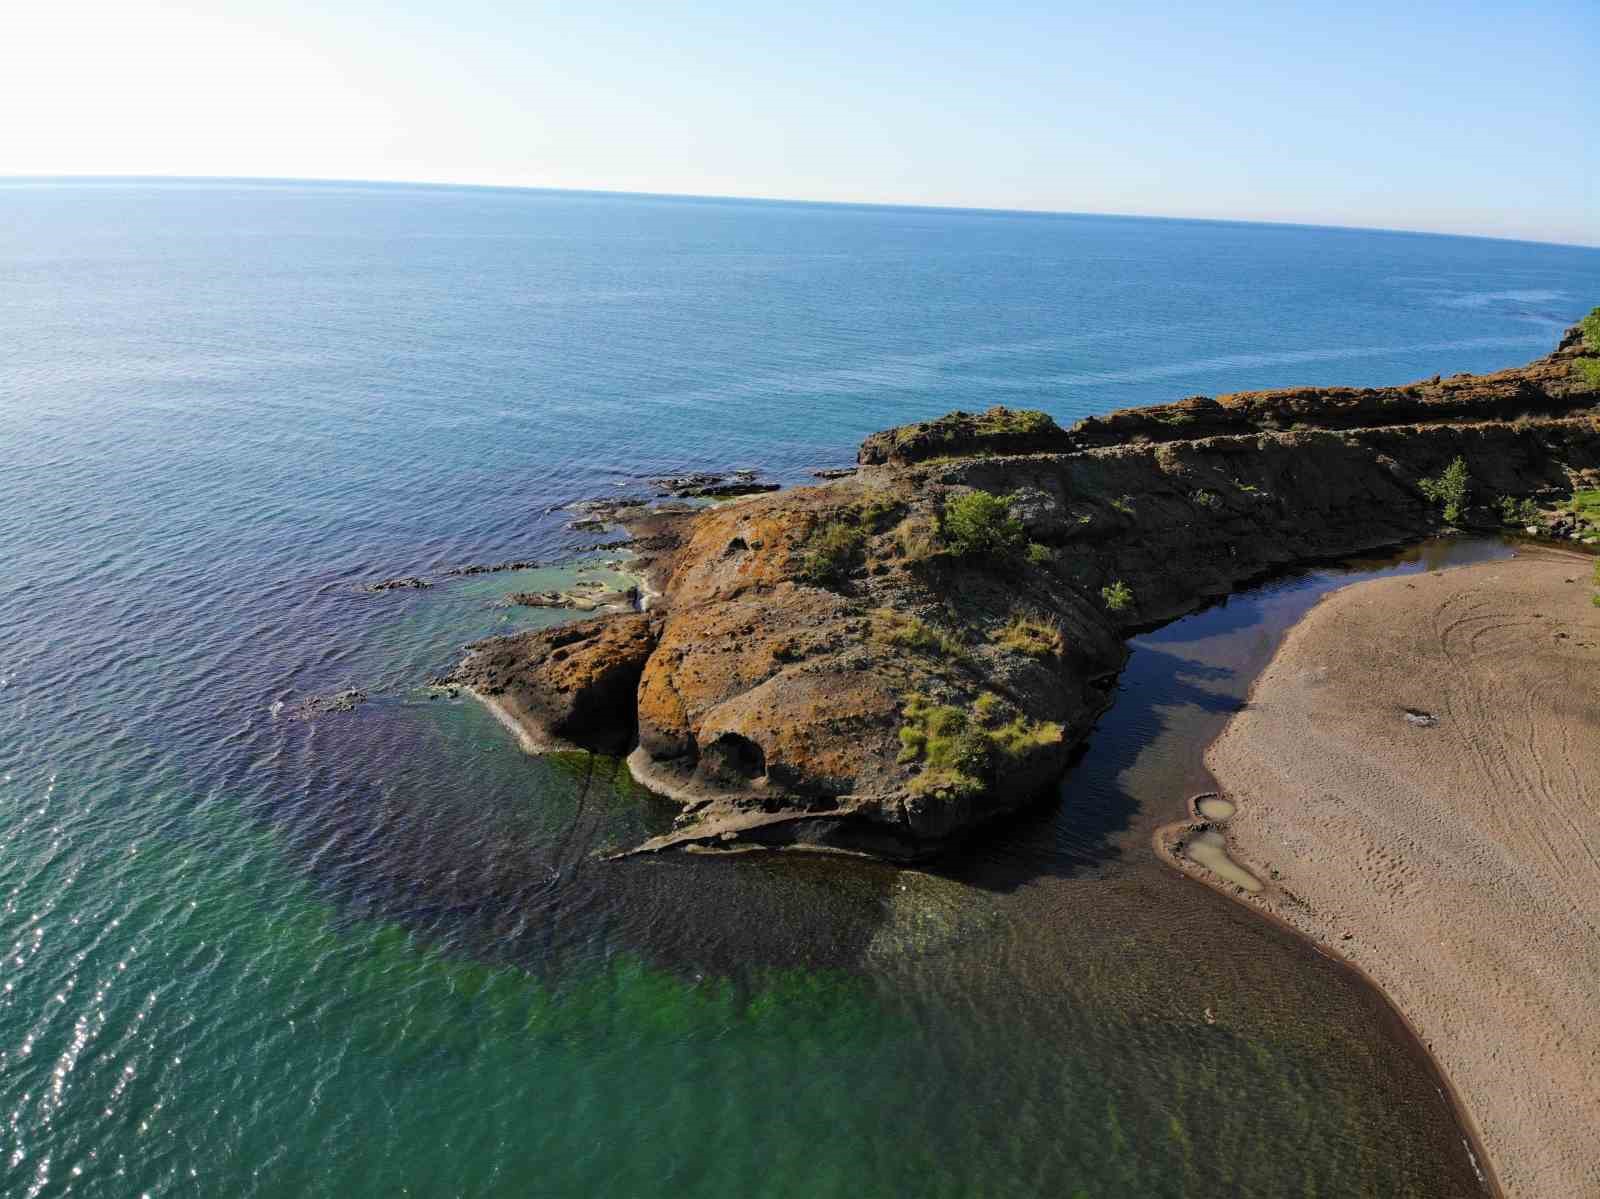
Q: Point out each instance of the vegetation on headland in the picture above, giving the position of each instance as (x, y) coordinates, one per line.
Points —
(1117, 596)
(1588, 369)
(1031, 637)
(973, 524)
(835, 547)
(832, 551)
(998, 421)
(981, 524)
(1448, 489)
(960, 749)
(906, 631)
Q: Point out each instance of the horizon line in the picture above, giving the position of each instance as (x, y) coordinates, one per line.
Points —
(7, 178)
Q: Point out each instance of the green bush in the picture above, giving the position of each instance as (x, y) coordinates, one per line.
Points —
(1448, 489)
(1588, 369)
(1591, 330)
(832, 551)
(1040, 555)
(1117, 596)
(1519, 512)
(981, 524)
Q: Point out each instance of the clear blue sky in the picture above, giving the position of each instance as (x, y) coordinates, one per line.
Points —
(1471, 117)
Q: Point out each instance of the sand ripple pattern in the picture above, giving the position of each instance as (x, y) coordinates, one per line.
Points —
(1459, 864)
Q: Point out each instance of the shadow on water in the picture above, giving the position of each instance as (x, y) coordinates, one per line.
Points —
(414, 810)
(1081, 826)
(1118, 1013)
(1180, 684)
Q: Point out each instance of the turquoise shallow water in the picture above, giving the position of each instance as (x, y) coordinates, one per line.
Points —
(247, 955)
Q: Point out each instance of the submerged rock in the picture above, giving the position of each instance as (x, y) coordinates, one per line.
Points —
(347, 700)
(481, 569)
(711, 486)
(406, 583)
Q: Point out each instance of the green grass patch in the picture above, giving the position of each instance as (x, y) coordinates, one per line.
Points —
(1030, 637)
(1000, 419)
(898, 628)
(961, 749)
(832, 551)
(875, 508)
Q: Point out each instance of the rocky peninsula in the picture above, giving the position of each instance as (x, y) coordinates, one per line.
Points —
(883, 662)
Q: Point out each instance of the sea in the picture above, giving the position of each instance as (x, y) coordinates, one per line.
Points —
(375, 952)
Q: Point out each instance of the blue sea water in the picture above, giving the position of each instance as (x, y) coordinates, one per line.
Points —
(251, 955)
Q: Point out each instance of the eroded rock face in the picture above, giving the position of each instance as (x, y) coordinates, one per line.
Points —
(1546, 387)
(825, 668)
(572, 684)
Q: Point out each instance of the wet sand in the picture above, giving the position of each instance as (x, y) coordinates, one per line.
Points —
(1453, 854)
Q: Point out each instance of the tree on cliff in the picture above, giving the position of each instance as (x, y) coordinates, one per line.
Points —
(1589, 368)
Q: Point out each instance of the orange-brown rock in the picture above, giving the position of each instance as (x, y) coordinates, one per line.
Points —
(573, 684)
(827, 666)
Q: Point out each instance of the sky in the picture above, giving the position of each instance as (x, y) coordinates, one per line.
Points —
(1477, 117)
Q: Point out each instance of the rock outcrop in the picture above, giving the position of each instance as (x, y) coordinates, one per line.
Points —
(877, 665)
(572, 685)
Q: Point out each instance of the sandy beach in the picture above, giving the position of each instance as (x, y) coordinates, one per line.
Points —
(1417, 781)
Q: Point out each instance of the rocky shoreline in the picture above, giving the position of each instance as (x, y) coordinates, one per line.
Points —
(881, 663)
